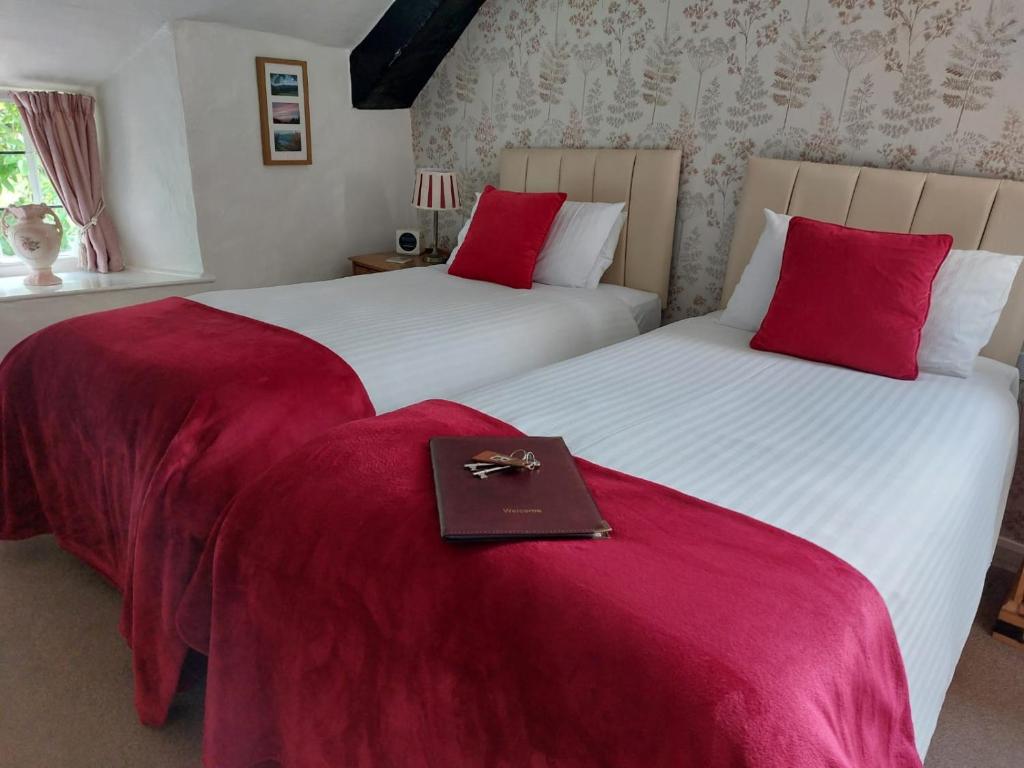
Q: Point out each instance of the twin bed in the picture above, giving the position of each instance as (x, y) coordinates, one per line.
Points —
(445, 331)
(126, 433)
(905, 483)
(341, 630)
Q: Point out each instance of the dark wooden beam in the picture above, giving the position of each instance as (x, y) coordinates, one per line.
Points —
(392, 64)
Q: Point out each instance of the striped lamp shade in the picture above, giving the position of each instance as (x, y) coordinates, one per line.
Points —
(436, 190)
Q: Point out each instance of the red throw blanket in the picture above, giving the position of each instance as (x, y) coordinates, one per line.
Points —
(345, 632)
(126, 433)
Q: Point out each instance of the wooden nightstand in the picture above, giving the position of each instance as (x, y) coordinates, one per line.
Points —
(378, 262)
(1010, 625)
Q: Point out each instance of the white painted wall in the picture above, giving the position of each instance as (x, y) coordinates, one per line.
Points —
(265, 225)
(148, 175)
(254, 225)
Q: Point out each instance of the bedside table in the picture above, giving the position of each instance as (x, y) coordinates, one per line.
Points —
(378, 262)
(1010, 625)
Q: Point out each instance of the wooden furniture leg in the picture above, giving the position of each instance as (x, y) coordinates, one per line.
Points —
(1010, 625)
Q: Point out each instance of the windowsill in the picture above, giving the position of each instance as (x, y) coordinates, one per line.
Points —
(13, 288)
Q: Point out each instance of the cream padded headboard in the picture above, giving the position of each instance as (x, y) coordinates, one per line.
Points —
(986, 214)
(647, 180)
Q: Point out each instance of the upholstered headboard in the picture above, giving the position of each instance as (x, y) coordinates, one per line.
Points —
(986, 214)
(647, 180)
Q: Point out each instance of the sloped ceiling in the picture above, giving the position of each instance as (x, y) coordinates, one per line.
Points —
(82, 42)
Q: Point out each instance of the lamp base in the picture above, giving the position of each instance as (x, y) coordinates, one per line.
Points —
(434, 256)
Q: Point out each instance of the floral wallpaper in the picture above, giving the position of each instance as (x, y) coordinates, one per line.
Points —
(911, 84)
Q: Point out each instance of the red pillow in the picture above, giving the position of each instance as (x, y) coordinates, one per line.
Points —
(852, 297)
(506, 236)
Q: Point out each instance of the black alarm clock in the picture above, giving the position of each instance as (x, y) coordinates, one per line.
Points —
(407, 241)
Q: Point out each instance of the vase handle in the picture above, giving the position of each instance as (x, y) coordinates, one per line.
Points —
(56, 221)
(3, 221)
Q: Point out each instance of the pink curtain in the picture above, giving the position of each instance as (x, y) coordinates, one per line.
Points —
(63, 130)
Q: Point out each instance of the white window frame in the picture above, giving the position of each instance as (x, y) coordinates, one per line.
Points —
(67, 261)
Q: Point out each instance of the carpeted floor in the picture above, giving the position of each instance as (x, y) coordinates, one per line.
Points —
(982, 721)
(65, 672)
(66, 696)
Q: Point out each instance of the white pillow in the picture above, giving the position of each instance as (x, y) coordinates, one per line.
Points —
(968, 295)
(607, 255)
(464, 231)
(575, 252)
(749, 301)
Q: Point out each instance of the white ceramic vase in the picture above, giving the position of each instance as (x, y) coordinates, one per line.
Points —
(35, 240)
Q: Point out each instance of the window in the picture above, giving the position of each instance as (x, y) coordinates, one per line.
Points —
(23, 180)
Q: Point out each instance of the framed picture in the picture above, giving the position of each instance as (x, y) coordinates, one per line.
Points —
(284, 111)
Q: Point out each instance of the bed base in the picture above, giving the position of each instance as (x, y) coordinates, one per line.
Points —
(1009, 627)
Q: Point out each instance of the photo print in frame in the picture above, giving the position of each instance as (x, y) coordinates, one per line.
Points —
(284, 111)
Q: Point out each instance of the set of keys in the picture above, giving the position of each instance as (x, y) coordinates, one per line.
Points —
(487, 463)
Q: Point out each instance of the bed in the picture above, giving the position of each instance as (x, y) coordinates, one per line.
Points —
(897, 486)
(451, 332)
(906, 484)
(125, 433)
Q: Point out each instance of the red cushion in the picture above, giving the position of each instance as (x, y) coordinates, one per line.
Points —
(852, 297)
(506, 236)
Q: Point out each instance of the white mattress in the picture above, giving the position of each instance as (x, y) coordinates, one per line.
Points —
(906, 481)
(419, 333)
(645, 306)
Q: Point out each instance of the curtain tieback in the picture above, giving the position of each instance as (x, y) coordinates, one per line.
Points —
(95, 219)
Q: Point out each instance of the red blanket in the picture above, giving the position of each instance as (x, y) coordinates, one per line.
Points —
(126, 433)
(346, 633)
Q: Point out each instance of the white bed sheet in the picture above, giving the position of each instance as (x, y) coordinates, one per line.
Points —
(906, 481)
(420, 333)
(645, 306)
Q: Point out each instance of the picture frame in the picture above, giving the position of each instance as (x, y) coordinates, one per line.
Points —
(284, 111)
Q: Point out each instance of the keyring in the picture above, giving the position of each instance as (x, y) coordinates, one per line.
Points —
(527, 457)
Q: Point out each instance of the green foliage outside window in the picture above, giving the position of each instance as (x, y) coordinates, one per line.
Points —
(16, 186)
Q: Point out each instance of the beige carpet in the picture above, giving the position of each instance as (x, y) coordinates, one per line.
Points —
(982, 722)
(65, 672)
(66, 696)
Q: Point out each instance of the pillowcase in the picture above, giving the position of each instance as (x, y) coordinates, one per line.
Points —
(507, 233)
(968, 296)
(607, 255)
(460, 239)
(753, 293)
(577, 242)
(852, 297)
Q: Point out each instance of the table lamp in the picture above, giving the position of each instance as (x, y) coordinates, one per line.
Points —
(436, 190)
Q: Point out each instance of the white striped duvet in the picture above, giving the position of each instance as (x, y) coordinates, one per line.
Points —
(906, 481)
(419, 333)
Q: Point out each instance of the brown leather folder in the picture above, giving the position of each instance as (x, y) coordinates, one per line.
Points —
(548, 502)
